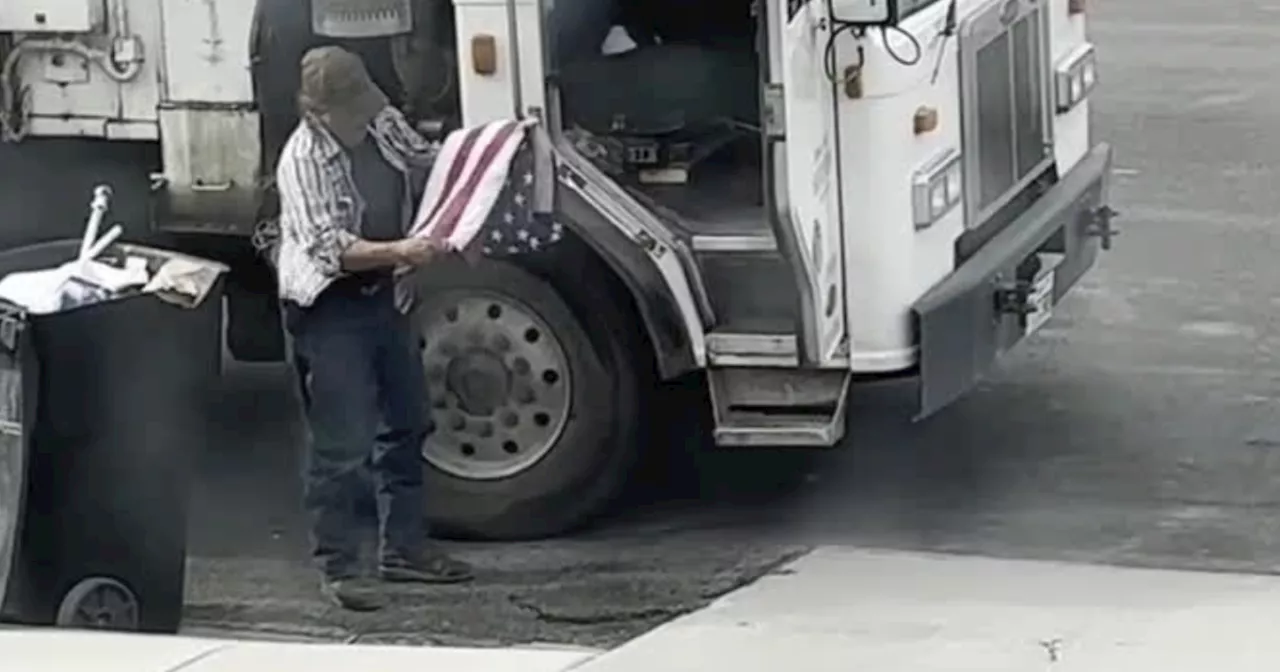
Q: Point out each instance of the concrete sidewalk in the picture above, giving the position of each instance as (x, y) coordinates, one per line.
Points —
(55, 650)
(834, 610)
(838, 610)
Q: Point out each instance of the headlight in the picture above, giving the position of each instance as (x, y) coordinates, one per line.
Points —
(1075, 77)
(936, 189)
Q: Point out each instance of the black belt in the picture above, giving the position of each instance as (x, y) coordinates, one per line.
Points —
(359, 284)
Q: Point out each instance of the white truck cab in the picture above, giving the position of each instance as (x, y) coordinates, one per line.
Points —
(788, 196)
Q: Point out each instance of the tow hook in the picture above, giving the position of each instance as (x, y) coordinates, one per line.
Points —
(1099, 224)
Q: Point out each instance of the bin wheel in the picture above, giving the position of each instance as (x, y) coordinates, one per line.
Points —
(99, 603)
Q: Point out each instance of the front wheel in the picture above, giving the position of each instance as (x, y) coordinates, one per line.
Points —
(533, 403)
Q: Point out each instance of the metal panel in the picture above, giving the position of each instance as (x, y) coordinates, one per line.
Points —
(206, 55)
(42, 16)
(211, 160)
(963, 331)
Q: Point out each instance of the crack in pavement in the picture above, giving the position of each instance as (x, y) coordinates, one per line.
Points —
(650, 603)
(602, 617)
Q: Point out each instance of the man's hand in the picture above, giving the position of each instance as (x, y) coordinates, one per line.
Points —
(418, 251)
(363, 255)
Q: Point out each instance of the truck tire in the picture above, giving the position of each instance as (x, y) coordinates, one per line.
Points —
(535, 401)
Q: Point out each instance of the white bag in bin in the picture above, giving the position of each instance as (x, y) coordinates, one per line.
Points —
(38, 291)
(84, 280)
(71, 285)
(78, 282)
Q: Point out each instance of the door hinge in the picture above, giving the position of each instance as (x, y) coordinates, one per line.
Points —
(773, 106)
(646, 242)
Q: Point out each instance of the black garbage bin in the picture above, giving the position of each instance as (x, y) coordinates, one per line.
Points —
(102, 410)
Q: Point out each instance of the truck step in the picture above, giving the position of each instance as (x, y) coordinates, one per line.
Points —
(757, 343)
(731, 243)
(778, 407)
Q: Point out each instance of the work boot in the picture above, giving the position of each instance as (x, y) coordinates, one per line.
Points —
(430, 568)
(352, 594)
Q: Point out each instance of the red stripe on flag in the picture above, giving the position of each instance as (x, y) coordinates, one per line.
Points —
(456, 165)
(450, 215)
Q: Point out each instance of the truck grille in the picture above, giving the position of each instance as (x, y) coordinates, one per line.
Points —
(1004, 85)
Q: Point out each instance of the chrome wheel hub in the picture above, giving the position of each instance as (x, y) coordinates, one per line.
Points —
(498, 383)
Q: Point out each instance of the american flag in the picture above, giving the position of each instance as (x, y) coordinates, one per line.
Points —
(487, 193)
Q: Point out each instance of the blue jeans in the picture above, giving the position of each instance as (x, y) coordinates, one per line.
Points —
(360, 377)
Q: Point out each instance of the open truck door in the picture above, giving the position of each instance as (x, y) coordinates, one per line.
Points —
(802, 174)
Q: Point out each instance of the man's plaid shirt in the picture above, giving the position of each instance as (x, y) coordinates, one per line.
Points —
(320, 208)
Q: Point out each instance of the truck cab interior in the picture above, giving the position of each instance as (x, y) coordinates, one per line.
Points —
(672, 109)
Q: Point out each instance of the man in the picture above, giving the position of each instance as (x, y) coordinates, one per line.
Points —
(343, 180)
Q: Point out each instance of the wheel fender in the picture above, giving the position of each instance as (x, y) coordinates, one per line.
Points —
(654, 301)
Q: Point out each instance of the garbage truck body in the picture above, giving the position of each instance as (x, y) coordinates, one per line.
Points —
(784, 197)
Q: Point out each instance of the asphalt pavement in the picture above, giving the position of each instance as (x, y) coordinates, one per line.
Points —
(1139, 428)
